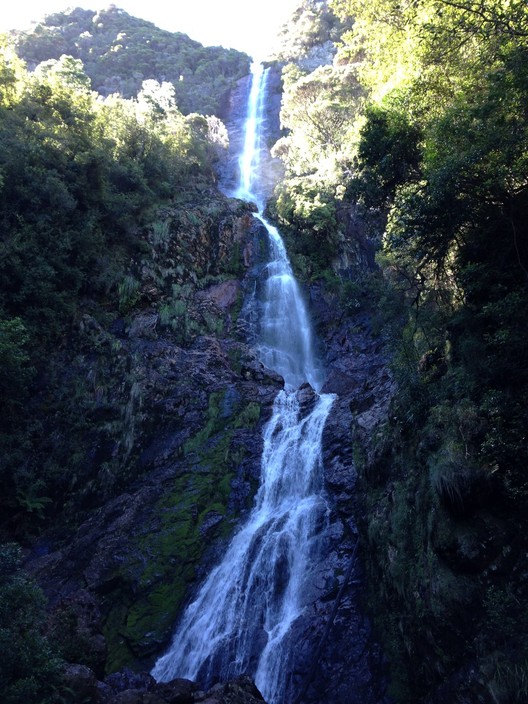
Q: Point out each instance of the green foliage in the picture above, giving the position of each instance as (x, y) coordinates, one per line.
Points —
(420, 119)
(311, 25)
(29, 669)
(321, 101)
(79, 174)
(128, 291)
(15, 370)
(388, 153)
(11, 68)
(448, 171)
(86, 214)
(308, 218)
(120, 52)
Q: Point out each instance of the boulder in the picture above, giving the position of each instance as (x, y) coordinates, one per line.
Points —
(126, 679)
(75, 622)
(177, 691)
(81, 681)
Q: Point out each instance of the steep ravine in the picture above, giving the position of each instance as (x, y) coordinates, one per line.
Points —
(117, 583)
(182, 407)
(347, 665)
(175, 402)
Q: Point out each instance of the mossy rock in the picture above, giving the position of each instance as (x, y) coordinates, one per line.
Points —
(187, 519)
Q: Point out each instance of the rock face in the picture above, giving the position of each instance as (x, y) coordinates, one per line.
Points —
(352, 665)
(272, 169)
(177, 437)
(338, 660)
(117, 584)
(128, 687)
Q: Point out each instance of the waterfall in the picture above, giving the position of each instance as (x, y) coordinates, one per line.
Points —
(243, 617)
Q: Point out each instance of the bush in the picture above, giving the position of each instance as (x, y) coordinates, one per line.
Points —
(29, 668)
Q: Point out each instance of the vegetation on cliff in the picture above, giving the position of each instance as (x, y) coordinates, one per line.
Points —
(85, 194)
(29, 669)
(417, 117)
(113, 236)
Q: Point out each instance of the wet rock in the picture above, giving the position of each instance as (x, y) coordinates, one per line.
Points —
(337, 659)
(240, 691)
(253, 370)
(195, 429)
(136, 696)
(273, 169)
(307, 398)
(210, 520)
(177, 691)
(104, 693)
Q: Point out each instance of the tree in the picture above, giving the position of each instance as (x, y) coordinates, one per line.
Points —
(29, 669)
(15, 366)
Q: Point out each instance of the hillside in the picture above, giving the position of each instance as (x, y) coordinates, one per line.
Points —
(119, 266)
(119, 52)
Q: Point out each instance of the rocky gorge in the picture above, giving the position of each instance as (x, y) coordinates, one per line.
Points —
(177, 399)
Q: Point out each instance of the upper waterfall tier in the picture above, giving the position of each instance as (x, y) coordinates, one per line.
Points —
(285, 335)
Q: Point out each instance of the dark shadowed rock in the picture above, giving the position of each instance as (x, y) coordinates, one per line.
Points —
(307, 398)
(127, 679)
(136, 696)
(240, 691)
(197, 432)
(75, 622)
(81, 682)
(190, 434)
(177, 691)
(141, 690)
(336, 657)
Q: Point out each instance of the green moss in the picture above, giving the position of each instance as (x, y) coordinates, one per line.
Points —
(359, 456)
(150, 620)
(163, 560)
(235, 265)
(119, 653)
(213, 323)
(235, 359)
(129, 291)
(197, 442)
(249, 416)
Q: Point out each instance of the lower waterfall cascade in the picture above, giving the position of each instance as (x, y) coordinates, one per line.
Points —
(241, 619)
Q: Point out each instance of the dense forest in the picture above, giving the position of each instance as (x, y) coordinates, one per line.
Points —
(415, 123)
(405, 194)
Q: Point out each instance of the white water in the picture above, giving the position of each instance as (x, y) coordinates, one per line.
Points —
(242, 618)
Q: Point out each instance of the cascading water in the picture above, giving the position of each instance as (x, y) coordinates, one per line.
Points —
(241, 620)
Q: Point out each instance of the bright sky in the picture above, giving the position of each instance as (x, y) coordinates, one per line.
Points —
(247, 25)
